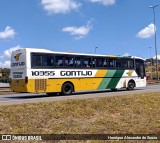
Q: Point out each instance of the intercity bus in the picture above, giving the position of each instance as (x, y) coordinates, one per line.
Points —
(45, 71)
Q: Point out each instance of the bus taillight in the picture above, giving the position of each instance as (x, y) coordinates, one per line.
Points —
(26, 79)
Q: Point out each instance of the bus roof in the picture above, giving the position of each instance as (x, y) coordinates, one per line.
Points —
(36, 50)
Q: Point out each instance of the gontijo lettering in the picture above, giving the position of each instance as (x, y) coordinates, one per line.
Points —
(76, 73)
(17, 64)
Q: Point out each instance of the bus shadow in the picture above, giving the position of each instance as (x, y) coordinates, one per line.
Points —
(34, 96)
(103, 91)
(28, 96)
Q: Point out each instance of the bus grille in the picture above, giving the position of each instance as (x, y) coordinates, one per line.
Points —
(40, 84)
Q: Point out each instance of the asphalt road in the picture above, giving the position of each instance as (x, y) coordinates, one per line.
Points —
(33, 98)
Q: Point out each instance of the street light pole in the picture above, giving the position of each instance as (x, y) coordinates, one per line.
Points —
(151, 62)
(155, 40)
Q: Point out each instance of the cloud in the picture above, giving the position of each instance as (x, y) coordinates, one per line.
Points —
(7, 53)
(104, 2)
(147, 32)
(79, 32)
(7, 33)
(59, 6)
(6, 56)
(158, 57)
(5, 64)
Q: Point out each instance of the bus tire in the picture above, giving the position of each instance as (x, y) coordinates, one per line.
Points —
(131, 85)
(67, 88)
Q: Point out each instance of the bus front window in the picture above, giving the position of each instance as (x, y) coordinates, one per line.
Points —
(140, 68)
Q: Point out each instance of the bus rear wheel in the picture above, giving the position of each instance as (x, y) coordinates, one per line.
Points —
(131, 85)
(67, 88)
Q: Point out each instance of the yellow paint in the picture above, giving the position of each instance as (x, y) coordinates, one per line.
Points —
(130, 73)
(97, 81)
(55, 85)
(17, 56)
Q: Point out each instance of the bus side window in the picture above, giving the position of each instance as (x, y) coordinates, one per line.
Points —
(118, 63)
(69, 61)
(94, 62)
(124, 63)
(47, 60)
(87, 62)
(77, 62)
(130, 64)
(110, 63)
(36, 60)
(59, 61)
(105, 64)
(97, 62)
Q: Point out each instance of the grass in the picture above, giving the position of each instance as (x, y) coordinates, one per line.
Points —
(132, 114)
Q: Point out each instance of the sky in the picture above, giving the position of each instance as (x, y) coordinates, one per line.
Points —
(116, 27)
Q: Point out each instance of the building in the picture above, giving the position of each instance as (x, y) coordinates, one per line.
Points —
(4, 75)
(152, 61)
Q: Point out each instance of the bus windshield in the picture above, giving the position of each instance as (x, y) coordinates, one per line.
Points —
(140, 68)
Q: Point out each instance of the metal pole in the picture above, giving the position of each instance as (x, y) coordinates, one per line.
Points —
(155, 41)
(151, 62)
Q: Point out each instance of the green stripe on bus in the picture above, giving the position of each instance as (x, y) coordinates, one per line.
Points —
(106, 80)
(114, 81)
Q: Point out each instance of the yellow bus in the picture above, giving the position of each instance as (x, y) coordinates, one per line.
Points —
(45, 71)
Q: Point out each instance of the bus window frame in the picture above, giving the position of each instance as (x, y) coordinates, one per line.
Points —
(64, 65)
(67, 65)
(81, 59)
(140, 62)
(75, 62)
(32, 64)
(122, 61)
(41, 55)
(133, 60)
(113, 63)
(50, 55)
(116, 65)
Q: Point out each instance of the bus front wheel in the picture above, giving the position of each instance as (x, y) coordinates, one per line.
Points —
(131, 85)
(67, 88)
